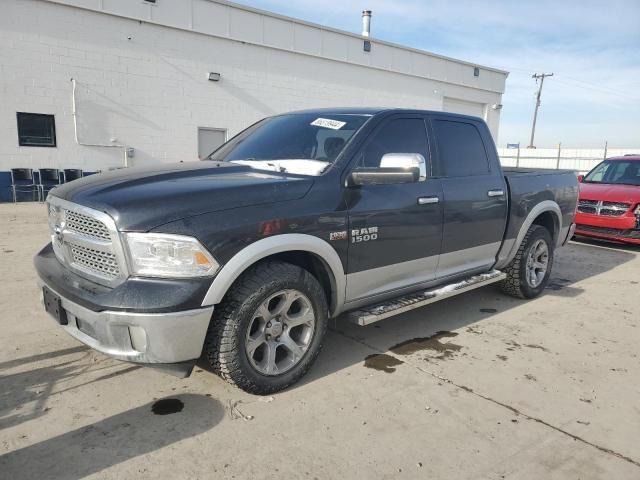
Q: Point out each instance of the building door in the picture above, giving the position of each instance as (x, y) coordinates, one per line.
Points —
(210, 139)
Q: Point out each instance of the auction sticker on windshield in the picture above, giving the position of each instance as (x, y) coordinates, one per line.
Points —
(328, 123)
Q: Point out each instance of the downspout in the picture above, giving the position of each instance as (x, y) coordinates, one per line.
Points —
(74, 113)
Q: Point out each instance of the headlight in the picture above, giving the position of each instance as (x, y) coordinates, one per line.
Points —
(637, 210)
(164, 255)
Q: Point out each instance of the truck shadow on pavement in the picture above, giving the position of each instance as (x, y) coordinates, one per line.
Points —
(41, 356)
(116, 439)
(24, 395)
(429, 327)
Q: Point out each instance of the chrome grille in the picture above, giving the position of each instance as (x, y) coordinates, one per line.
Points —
(600, 207)
(87, 242)
(101, 263)
(624, 206)
(77, 222)
(614, 209)
(587, 206)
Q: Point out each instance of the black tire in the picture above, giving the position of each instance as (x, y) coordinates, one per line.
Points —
(224, 346)
(516, 284)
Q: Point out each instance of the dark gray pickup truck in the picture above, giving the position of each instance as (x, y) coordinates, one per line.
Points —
(242, 259)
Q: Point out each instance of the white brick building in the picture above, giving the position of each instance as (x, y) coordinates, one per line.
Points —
(141, 72)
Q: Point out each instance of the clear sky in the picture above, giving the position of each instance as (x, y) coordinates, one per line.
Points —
(592, 47)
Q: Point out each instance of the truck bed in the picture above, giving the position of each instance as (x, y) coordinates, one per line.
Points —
(530, 187)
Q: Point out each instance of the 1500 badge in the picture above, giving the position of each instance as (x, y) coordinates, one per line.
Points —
(359, 235)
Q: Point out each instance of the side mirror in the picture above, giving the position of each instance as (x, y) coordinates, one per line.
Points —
(405, 160)
(580, 178)
(383, 176)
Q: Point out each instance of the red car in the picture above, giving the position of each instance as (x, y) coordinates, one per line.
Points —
(609, 205)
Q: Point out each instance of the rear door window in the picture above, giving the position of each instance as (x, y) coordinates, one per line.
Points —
(461, 150)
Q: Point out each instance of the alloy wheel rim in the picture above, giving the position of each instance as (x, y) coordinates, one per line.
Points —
(537, 263)
(280, 332)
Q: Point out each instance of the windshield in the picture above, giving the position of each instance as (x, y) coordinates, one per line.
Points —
(300, 143)
(623, 172)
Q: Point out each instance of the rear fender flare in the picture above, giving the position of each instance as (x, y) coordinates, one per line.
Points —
(511, 246)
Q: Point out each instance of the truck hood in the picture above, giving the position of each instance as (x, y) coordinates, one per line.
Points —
(610, 192)
(142, 198)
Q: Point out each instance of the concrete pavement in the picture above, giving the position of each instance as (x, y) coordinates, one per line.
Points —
(477, 386)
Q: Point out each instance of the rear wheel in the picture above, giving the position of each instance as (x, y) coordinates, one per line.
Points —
(268, 331)
(528, 273)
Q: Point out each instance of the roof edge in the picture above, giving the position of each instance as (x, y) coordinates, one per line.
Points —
(355, 35)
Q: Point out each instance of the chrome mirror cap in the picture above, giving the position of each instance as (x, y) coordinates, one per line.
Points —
(405, 160)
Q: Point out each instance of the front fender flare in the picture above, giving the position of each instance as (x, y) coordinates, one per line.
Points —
(279, 244)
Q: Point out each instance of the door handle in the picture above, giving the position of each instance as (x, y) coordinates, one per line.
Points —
(495, 193)
(428, 200)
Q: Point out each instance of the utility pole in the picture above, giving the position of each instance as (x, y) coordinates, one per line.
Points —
(540, 76)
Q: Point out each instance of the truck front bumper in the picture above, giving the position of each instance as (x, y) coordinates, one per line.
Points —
(157, 322)
(158, 339)
(154, 338)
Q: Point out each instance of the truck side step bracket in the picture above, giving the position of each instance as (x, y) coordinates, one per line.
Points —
(395, 306)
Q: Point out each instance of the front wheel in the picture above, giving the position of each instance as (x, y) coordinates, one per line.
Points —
(528, 273)
(268, 331)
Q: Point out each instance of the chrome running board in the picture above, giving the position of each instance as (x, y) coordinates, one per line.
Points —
(395, 306)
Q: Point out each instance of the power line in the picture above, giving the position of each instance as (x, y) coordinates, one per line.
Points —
(540, 76)
(577, 83)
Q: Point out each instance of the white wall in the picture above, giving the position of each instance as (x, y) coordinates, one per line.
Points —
(151, 91)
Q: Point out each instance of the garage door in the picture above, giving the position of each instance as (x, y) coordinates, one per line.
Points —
(455, 105)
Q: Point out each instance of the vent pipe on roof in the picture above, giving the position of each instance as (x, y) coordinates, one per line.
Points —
(366, 23)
